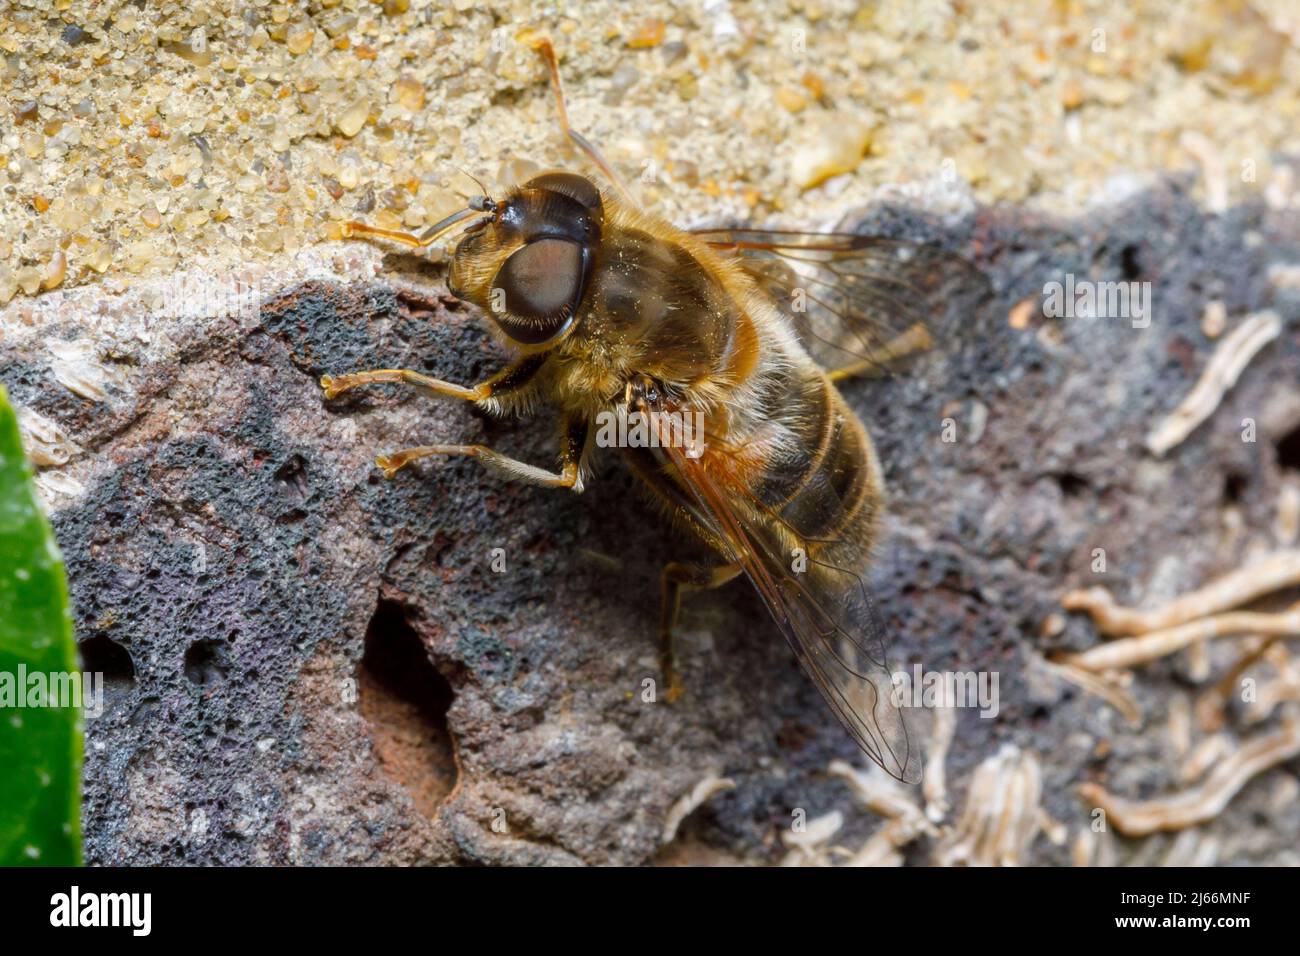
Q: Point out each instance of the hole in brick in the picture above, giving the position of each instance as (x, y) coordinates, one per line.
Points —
(1234, 486)
(1130, 261)
(102, 655)
(1073, 485)
(1288, 450)
(405, 701)
(205, 662)
(293, 476)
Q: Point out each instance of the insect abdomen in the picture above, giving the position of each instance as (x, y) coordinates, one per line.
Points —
(826, 484)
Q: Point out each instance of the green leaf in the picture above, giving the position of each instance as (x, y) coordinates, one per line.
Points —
(40, 744)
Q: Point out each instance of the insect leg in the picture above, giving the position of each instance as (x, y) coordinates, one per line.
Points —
(353, 228)
(335, 385)
(514, 376)
(543, 46)
(427, 238)
(677, 577)
(915, 339)
(572, 447)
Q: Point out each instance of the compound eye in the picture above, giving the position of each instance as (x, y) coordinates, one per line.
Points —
(541, 283)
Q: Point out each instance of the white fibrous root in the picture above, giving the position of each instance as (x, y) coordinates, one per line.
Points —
(1180, 725)
(46, 443)
(1287, 528)
(1131, 651)
(1093, 847)
(1198, 662)
(905, 820)
(1225, 367)
(1272, 573)
(1084, 848)
(934, 782)
(1220, 763)
(878, 792)
(1057, 833)
(1002, 815)
(1204, 756)
(692, 801)
(1192, 848)
(811, 845)
(76, 367)
(1105, 686)
(883, 848)
(1202, 803)
(1283, 689)
(1211, 708)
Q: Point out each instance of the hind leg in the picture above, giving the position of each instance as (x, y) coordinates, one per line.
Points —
(547, 52)
(676, 578)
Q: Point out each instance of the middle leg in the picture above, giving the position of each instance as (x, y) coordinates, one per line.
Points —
(573, 446)
(915, 339)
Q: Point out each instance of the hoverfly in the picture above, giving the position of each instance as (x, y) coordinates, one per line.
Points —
(607, 309)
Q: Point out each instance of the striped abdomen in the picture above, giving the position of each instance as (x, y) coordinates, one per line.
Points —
(823, 484)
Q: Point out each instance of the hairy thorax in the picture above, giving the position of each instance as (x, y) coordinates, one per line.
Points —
(666, 306)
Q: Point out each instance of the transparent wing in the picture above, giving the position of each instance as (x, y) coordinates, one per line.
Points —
(821, 605)
(857, 302)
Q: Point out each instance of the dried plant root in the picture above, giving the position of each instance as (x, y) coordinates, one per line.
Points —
(1212, 704)
(1131, 651)
(1198, 662)
(1287, 527)
(1055, 831)
(934, 784)
(1214, 170)
(1205, 755)
(1097, 685)
(1002, 815)
(1180, 725)
(810, 847)
(1225, 367)
(1273, 573)
(875, 791)
(884, 796)
(883, 847)
(692, 801)
(1084, 848)
(1136, 818)
(1285, 688)
(1093, 848)
(1192, 848)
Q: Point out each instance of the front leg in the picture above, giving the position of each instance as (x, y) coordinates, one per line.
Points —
(513, 377)
(573, 445)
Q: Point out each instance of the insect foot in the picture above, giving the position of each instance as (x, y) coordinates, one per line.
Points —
(332, 386)
(675, 690)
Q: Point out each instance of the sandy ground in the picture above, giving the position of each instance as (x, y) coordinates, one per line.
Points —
(135, 137)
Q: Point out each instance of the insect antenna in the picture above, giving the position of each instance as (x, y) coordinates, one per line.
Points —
(482, 202)
(434, 232)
